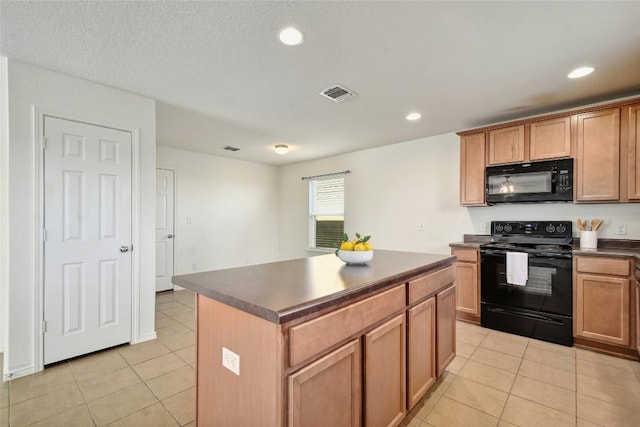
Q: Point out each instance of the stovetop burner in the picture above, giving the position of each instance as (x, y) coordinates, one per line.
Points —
(531, 236)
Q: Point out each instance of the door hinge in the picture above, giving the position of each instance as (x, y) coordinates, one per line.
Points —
(44, 326)
(44, 143)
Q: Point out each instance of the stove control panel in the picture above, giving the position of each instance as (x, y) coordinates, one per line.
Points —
(533, 228)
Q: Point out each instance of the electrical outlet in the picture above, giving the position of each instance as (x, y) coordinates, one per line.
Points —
(421, 226)
(231, 361)
(483, 227)
(194, 267)
(621, 228)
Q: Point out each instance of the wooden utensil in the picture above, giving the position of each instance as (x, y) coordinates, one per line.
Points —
(580, 224)
(595, 224)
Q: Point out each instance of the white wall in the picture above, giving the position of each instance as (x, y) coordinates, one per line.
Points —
(233, 206)
(4, 201)
(392, 189)
(31, 86)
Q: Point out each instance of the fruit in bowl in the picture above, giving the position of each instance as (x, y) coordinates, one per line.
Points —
(356, 251)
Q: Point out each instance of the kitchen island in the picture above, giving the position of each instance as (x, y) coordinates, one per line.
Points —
(314, 341)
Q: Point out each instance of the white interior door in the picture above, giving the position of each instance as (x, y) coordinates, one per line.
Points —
(164, 229)
(87, 253)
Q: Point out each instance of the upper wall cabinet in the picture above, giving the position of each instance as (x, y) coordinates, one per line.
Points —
(550, 139)
(472, 164)
(506, 145)
(597, 166)
(603, 140)
(633, 167)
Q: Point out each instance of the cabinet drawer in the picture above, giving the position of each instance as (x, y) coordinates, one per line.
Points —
(470, 255)
(602, 265)
(312, 337)
(429, 284)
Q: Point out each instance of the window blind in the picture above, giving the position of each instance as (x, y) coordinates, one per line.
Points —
(326, 212)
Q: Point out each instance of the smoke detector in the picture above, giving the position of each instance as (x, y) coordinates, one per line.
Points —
(337, 93)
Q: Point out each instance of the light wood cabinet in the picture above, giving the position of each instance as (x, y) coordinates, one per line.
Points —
(597, 165)
(421, 349)
(328, 391)
(348, 365)
(472, 164)
(385, 401)
(506, 145)
(638, 314)
(602, 299)
(446, 328)
(604, 142)
(550, 139)
(467, 283)
(633, 162)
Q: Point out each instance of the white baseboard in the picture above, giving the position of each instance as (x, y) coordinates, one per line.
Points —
(147, 337)
(22, 372)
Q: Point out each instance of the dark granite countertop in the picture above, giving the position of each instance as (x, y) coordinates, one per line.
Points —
(472, 245)
(285, 290)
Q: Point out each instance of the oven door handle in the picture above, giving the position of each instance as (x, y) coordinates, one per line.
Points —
(533, 254)
(524, 314)
(493, 252)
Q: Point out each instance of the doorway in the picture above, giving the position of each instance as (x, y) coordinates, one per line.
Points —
(165, 201)
(87, 265)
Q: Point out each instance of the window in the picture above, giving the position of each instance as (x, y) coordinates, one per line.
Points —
(326, 212)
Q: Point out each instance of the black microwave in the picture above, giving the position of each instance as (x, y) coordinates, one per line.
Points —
(546, 181)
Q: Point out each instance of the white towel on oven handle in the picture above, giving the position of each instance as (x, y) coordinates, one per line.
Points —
(517, 268)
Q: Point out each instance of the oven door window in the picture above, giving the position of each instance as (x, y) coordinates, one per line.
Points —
(548, 288)
(520, 183)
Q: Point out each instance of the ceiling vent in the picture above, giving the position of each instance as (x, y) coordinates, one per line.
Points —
(337, 93)
(230, 148)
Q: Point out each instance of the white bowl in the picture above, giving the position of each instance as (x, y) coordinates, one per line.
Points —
(355, 257)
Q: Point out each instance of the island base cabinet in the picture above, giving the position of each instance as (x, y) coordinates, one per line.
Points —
(421, 346)
(251, 396)
(384, 374)
(446, 328)
(328, 392)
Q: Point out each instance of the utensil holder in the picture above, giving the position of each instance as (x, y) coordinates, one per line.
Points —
(588, 240)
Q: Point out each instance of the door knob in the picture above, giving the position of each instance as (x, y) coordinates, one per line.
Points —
(124, 248)
(170, 236)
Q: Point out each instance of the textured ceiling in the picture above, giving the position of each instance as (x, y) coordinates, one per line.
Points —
(222, 78)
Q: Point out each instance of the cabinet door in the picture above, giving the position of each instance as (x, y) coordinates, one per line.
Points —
(633, 171)
(638, 316)
(506, 145)
(421, 348)
(328, 391)
(550, 139)
(598, 156)
(384, 373)
(602, 308)
(446, 328)
(472, 164)
(467, 288)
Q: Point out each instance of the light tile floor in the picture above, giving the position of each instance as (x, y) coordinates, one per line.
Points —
(504, 380)
(148, 384)
(496, 379)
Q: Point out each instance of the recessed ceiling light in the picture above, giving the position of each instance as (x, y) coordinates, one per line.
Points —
(580, 72)
(291, 36)
(281, 149)
(413, 116)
